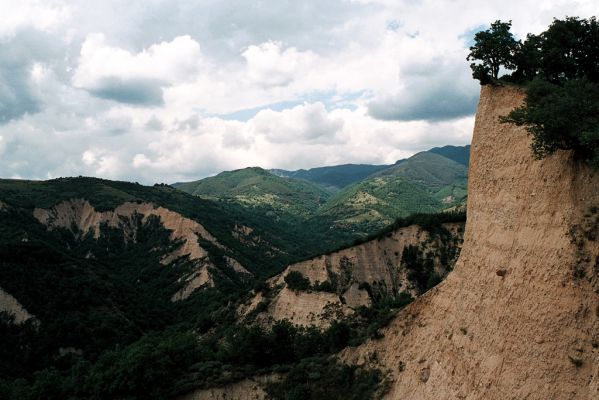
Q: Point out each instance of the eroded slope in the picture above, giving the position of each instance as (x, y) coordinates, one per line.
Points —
(359, 275)
(518, 318)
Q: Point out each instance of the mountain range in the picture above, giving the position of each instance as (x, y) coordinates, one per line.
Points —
(354, 199)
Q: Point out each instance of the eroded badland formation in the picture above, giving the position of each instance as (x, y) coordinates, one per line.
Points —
(518, 317)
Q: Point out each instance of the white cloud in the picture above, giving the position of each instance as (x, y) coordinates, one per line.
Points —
(41, 15)
(268, 64)
(115, 73)
(305, 79)
(88, 157)
(303, 123)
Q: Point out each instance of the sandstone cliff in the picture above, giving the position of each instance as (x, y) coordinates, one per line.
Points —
(11, 306)
(358, 274)
(518, 318)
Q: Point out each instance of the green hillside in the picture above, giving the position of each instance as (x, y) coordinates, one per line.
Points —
(424, 183)
(273, 244)
(105, 325)
(312, 207)
(335, 177)
(256, 187)
(459, 154)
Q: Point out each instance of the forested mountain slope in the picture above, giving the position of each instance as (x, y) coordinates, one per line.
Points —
(372, 196)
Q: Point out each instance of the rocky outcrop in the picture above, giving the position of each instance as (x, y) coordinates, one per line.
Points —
(11, 306)
(518, 318)
(357, 274)
(81, 218)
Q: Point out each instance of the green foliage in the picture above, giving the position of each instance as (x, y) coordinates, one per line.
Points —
(567, 50)
(425, 183)
(379, 315)
(561, 117)
(494, 48)
(258, 187)
(336, 177)
(105, 324)
(150, 368)
(421, 268)
(326, 286)
(561, 69)
(322, 378)
(295, 280)
(308, 216)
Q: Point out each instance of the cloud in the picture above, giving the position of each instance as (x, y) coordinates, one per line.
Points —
(18, 73)
(434, 84)
(127, 92)
(268, 64)
(303, 123)
(438, 100)
(117, 74)
(133, 91)
(26, 14)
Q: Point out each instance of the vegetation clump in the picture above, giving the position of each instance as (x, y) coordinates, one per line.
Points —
(296, 281)
(560, 70)
(322, 378)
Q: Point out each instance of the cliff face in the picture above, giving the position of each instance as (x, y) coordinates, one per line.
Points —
(518, 318)
(11, 306)
(358, 273)
(80, 215)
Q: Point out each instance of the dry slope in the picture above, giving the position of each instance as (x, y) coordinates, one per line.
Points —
(80, 214)
(518, 318)
(358, 273)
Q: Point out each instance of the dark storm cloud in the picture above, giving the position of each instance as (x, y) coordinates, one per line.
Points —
(17, 56)
(431, 104)
(146, 92)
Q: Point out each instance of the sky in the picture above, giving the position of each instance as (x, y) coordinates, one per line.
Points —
(166, 91)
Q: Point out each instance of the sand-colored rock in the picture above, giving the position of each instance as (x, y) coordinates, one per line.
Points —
(200, 277)
(305, 308)
(12, 306)
(247, 389)
(376, 263)
(531, 332)
(81, 214)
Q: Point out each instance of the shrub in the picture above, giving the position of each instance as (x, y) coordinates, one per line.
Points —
(296, 281)
(561, 117)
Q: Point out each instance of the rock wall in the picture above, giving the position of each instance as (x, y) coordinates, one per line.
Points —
(518, 318)
(11, 306)
(376, 264)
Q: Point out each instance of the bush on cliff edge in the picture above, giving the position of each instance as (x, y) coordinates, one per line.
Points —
(560, 71)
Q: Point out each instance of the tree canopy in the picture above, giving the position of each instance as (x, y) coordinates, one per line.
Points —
(560, 71)
(494, 48)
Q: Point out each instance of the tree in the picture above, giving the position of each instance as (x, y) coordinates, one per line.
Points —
(570, 49)
(296, 281)
(561, 117)
(494, 48)
(561, 110)
(527, 58)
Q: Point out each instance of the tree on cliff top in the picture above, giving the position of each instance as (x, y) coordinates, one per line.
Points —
(494, 48)
(560, 68)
